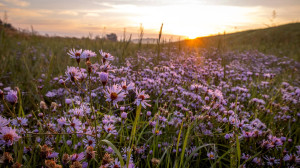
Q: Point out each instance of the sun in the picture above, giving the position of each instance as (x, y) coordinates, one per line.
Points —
(192, 35)
(192, 20)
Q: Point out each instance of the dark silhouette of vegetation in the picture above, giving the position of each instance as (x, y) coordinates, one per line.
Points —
(3, 24)
(112, 37)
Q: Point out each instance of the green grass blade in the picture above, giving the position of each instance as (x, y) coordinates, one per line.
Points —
(115, 150)
(196, 150)
(184, 145)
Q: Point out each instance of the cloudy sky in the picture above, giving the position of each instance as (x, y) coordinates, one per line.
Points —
(189, 18)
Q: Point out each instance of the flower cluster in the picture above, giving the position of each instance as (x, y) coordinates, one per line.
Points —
(102, 115)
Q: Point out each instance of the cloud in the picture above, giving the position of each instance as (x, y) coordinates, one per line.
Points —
(1, 4)
(68, 12)
(21, 3)
(23, 13)
(92, 14)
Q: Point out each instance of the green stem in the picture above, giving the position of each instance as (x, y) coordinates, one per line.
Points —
(131, 142)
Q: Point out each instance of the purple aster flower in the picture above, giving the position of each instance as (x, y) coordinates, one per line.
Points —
(53, 155)
(68, 101)
(103, 78)
(110, 129)
(247, 134)
(245, 156)
(27, 149)
(72, 73)
(156, 131)
(77, 54)
(77, 157)
(62, 121)
(89, 141)
(126, 87)
(78, 112)
(115, 164)
(3, 122)
(106, 67)
(88, 54)
(61, 81)
(123, 115)
(122, 108)
(227, 136)
(110, 150)
(141, 98)
(113, 94)
(290, 158)
(75, 123)
(148, 113)
(8, 136)
(106, 56)
(272, 161)
(85, 164)
(211, 155)
(19, 121)
(69, 142)
(12, 97)
(51, 94)
(152, 123)
(258, 161)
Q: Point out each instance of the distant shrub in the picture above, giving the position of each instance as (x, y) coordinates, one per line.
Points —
(112, 37)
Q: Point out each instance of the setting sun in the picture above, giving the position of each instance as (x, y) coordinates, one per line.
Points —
(194, 20)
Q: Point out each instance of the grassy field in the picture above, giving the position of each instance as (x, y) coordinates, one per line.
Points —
(282, 40)
(218, 101)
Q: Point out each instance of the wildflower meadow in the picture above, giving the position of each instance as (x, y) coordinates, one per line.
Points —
(88, 103)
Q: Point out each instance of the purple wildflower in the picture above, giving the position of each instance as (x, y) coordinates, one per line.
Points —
(12, 97)
(114, 94)
(8, 136)
(141, 98)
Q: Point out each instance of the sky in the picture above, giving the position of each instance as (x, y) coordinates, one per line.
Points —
(180, 18)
